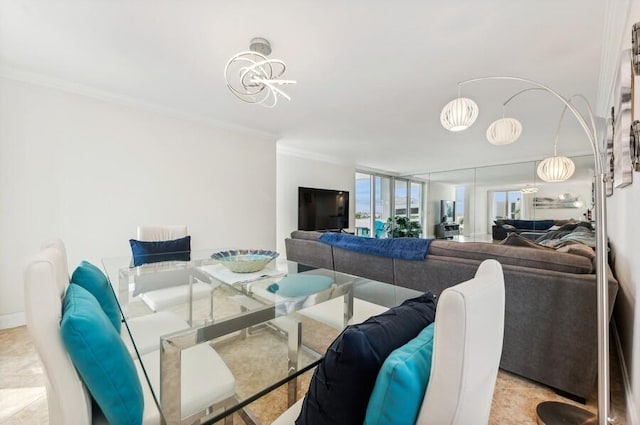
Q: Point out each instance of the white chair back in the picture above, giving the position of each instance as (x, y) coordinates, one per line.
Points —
(161, 233)
(467, 349)
(46, 277)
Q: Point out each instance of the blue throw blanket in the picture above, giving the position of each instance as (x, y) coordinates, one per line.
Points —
(404, 248)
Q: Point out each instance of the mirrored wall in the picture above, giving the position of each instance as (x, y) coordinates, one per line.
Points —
(512, 191)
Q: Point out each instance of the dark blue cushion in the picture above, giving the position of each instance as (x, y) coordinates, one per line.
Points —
(533, 224)
(93, 280)
(342, 383)
(156, 251)
(101, 358)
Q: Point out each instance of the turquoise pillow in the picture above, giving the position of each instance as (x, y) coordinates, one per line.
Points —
(101, 358)
(93, 280)
(300, 285)
(402, 383)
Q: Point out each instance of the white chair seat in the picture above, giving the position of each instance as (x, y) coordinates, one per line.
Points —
(206, 379)
(147, 330)
(332, 312)
(167, 297)
(290, 415)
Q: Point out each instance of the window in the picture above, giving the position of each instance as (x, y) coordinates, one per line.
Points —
(460, 193)
(401, 198)
(379, 197)
(363, 204)
(382, 206)
(415, 204)
(506, 204)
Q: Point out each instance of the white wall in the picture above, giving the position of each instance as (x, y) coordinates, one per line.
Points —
(90, 171)
(294, 171)
(624, 236)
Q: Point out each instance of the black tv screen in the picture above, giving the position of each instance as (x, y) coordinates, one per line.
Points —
(322, 209)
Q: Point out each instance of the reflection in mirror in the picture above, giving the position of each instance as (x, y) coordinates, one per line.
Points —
(499, 196)
(456, 186)
(512, 191)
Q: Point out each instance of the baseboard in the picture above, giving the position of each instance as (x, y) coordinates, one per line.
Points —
(12, 320)
(632, 409)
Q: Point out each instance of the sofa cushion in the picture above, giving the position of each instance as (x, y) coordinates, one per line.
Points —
(402, 383)
(578, 249)
(517, 240)
(101, 358)
(157, 251)
(342, 383)
(310, 235)
(513, 256)
(93, 280)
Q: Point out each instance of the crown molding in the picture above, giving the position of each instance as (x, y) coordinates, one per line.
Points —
(614, 38)
(34, 78)
(314, 156)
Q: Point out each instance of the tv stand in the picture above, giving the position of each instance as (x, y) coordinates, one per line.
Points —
(447, 230)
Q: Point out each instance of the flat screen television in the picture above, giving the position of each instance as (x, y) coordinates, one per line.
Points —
(322, 209)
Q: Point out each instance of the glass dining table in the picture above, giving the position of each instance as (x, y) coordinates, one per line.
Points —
(269, 326)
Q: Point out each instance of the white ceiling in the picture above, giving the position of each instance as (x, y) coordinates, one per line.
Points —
(372, 75)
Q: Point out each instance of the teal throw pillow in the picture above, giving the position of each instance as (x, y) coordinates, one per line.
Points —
(300, 285)
(93, 280)
(402, 383)
(101, 358)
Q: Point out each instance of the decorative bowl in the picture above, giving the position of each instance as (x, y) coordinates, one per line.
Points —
(245, 260)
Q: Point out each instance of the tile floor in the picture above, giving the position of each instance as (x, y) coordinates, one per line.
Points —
(23, 396)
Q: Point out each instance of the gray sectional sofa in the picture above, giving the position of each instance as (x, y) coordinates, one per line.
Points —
(550, 318)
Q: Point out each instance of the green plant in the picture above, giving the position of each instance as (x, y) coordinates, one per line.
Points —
(402, 227)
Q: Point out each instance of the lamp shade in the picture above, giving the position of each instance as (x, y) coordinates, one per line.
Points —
(459, 114)
(556, 169)
(504, 131)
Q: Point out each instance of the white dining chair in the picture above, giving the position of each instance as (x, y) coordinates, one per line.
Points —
(46, 278)
(173, 286)
(469, 329)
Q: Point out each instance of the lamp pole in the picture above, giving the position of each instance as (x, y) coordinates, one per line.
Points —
(550, 413)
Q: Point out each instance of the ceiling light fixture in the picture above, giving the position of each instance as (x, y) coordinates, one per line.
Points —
(504, 131)
(459, 114)
(556, 168)
(253, 78)
(529, 189)
(563, 413)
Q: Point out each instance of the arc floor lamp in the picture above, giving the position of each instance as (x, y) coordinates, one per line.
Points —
(458, 115)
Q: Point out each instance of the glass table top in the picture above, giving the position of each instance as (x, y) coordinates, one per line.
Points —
(267, 326)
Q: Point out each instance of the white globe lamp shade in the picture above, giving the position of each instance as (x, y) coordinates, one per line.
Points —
(504, 131)
(459, 114)
(556, 169)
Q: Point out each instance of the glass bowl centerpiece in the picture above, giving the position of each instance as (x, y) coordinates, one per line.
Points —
(245, 260)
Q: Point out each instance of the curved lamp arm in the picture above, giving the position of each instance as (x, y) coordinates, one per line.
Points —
(601, 235)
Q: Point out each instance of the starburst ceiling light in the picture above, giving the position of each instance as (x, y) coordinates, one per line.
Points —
(253, 78)
(553, 412)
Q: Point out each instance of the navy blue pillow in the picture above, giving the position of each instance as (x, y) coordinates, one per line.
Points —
(154, 252)
(342, 383)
